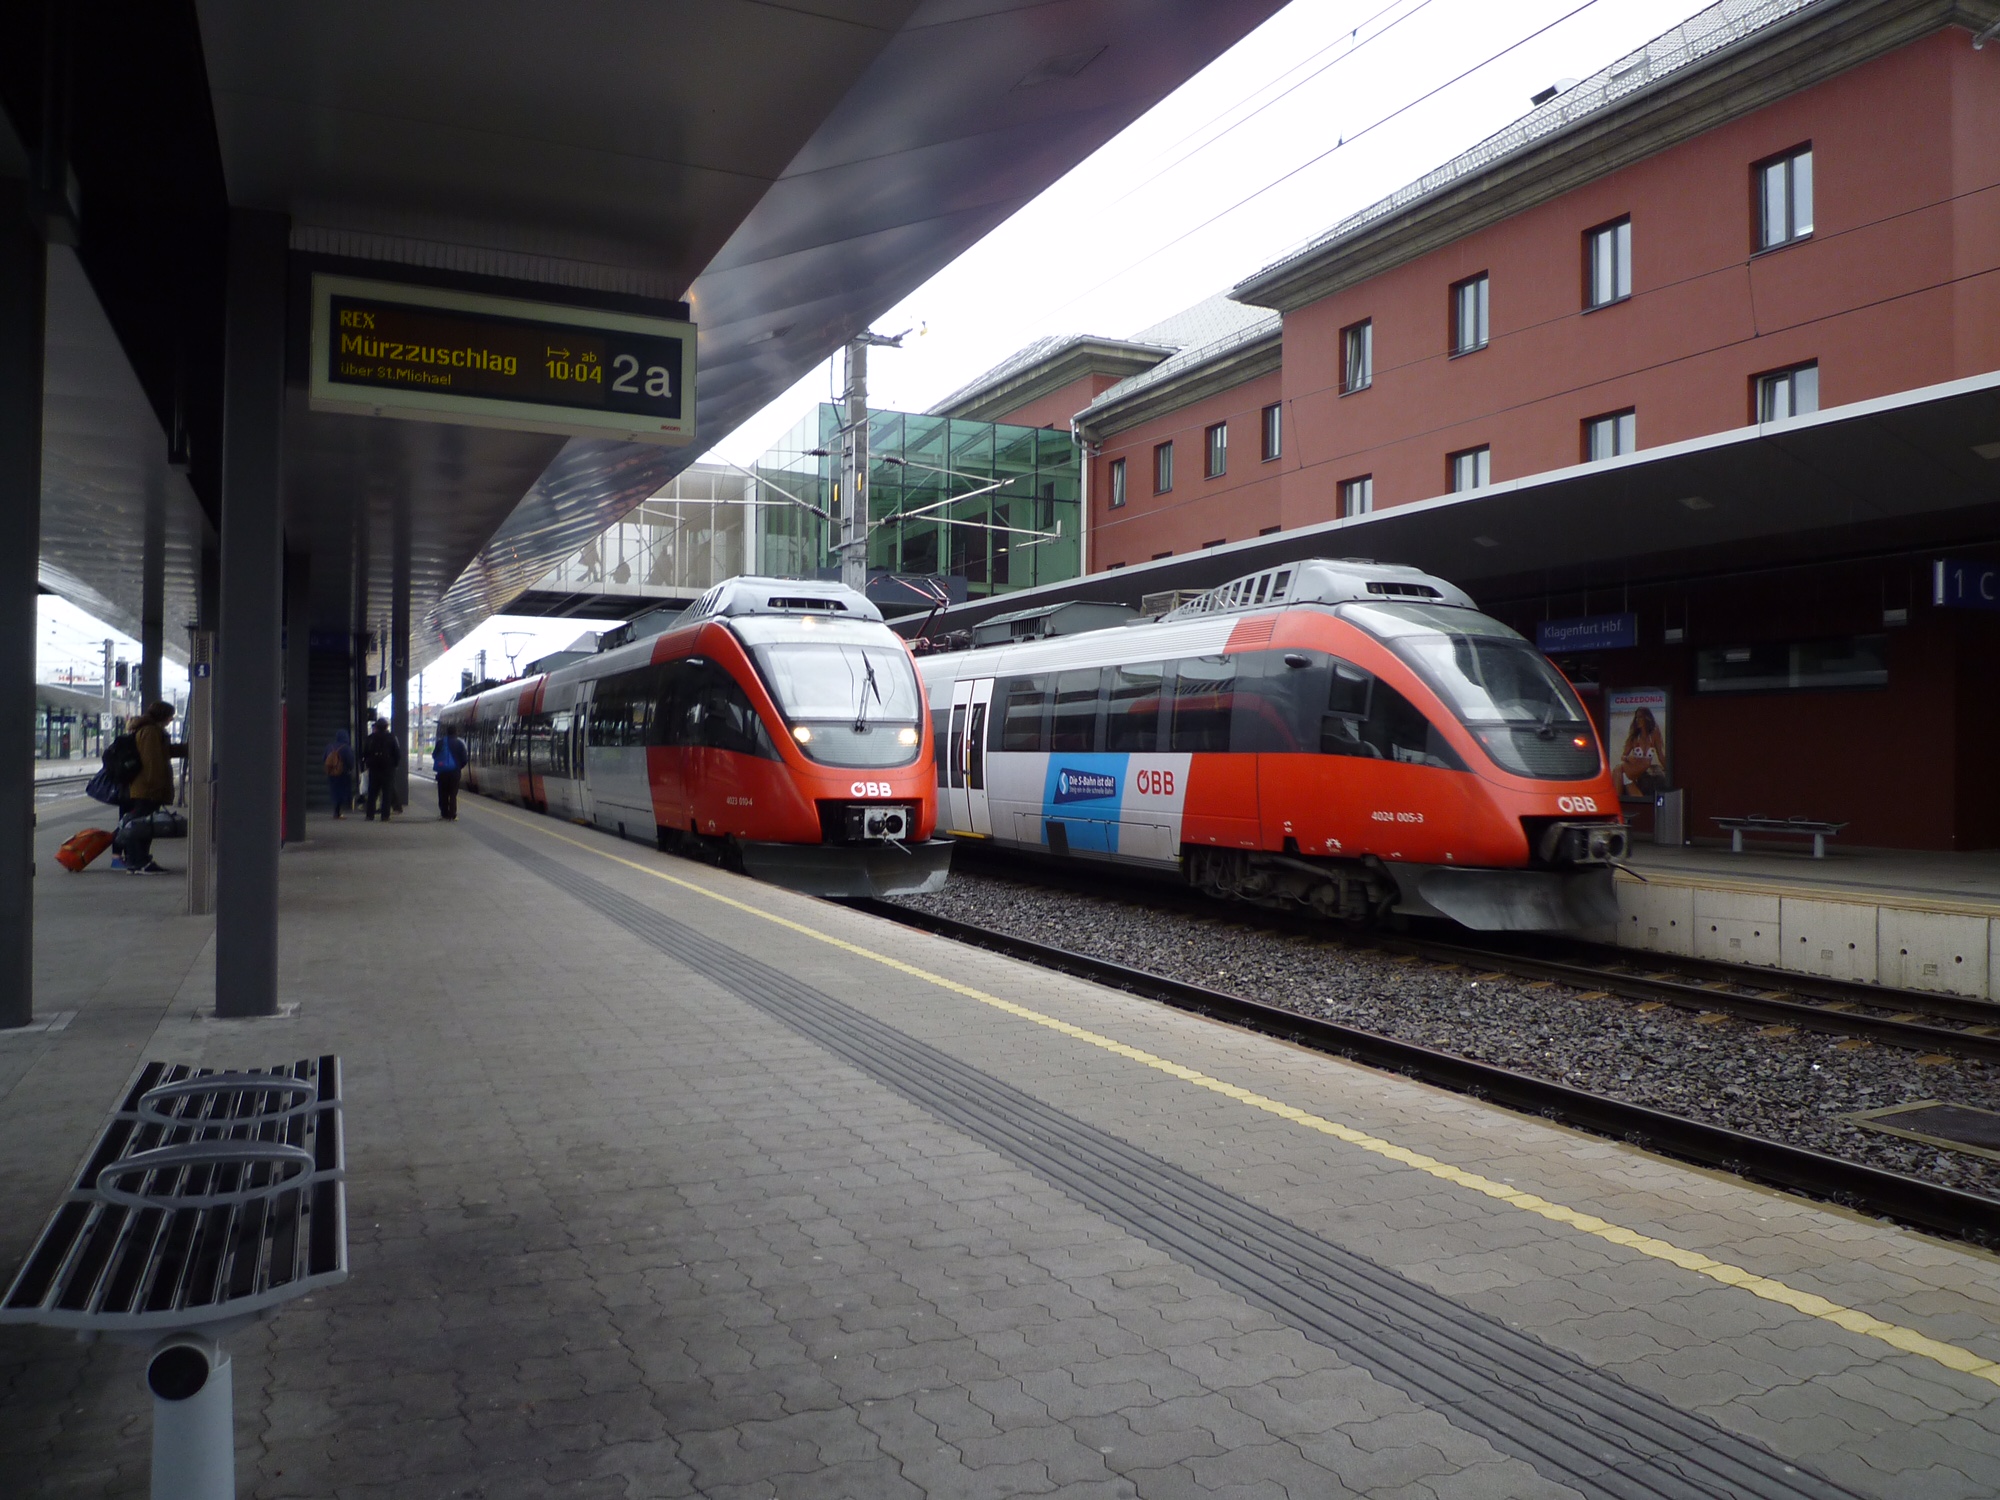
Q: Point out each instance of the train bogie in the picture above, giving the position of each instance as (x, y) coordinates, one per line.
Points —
(1349, 738)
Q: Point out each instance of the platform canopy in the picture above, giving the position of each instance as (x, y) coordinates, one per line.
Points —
(789, 171)
(1913, 473)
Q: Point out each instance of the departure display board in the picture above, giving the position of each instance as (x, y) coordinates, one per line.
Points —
(384, 349)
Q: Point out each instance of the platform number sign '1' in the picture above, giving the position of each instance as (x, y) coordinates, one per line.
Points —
(441, 355)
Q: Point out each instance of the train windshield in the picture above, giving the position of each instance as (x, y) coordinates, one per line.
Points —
(846, 701)
(1509, 695)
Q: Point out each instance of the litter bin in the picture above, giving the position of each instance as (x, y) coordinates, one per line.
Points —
(1669, 821)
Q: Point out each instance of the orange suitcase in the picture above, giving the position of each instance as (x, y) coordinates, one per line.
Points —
(79, 849)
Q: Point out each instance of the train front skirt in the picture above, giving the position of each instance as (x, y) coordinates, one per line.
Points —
(1509, 900)
(884, 869)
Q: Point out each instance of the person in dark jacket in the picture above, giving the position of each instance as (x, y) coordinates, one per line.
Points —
(340, 772)
(150, 790)
(448, 757)
(381, 755)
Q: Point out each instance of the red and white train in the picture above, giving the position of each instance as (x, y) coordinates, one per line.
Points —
(1353, 738)
(778, 725)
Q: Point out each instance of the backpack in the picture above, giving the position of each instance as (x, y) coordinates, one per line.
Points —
(444, 756)
(335, 766)
(122, 760)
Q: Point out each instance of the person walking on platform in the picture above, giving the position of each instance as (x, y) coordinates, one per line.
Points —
(150, 790)
(381, 755)
(340, 772)
(448, 758)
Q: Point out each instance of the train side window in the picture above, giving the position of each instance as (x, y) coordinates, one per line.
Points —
(670, 706)
(1277, 697)
(608, 713)
(1023, 725)
(940, 737)
(1073, 728)
(1132, 709)
(721, 714)
(559, 764)
(1204, 697)
(1367, 718)
(955, 750)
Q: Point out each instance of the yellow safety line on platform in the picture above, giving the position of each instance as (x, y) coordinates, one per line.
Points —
(1951, 1356)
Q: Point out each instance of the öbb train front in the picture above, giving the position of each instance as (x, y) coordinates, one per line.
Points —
(778, 726)
(1347, 737)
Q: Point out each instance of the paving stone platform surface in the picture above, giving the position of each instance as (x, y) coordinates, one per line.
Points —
(616, 1231)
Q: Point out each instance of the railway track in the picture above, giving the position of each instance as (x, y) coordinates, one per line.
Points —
(1912, 1020)
(1868, 1189)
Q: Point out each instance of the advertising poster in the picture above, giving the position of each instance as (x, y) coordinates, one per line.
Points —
(1639, 725)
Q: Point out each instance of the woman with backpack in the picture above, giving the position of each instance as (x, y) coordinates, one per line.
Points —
(339, 767)
(151, 788)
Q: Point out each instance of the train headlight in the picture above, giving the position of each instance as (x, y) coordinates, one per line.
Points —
(802, 733)
(907, 735)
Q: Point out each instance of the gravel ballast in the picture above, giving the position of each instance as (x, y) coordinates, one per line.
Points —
(1791, 1088)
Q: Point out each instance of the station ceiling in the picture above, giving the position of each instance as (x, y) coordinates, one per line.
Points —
(790, 170)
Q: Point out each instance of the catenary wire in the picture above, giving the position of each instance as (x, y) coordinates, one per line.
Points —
(1340, 144)
(1330, 64)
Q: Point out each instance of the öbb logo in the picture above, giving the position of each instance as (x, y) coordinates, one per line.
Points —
(869, 789)
(1577, 804)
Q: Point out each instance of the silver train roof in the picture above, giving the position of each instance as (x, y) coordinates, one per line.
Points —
(1322, 581)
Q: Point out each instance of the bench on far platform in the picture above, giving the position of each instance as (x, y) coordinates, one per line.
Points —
(1818, 832)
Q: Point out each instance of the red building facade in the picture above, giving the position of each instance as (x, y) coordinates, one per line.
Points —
(1649, 278)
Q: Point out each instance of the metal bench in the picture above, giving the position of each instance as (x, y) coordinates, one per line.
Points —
(208, 1199)
(1818, 832)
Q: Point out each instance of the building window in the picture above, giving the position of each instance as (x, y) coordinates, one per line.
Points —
(1468, 315)
(1221, 541)
(1784, 188)
(1273, 427)
(1161, 556)
(1215, 451)
(1788, 393)
(1607, 264)
(1163, 468)
(1470, 469)
(1270, 530)
(1610, 435)
(1117, 483)
(1852, 661)
(1357, 496)
(1357, 357)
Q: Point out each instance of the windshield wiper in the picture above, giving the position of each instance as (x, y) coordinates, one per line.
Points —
(1547, 728)
(869, 685)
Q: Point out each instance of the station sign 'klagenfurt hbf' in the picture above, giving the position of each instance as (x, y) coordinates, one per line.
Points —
(439, 355)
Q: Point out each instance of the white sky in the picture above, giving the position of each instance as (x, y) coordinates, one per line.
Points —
(69, 649)
(1155, 220)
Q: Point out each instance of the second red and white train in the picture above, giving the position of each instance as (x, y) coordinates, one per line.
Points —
(1354, 738)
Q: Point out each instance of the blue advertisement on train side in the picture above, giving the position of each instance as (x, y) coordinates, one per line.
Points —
(1084, 793)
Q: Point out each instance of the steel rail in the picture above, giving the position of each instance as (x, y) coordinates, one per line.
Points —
(1943, 1210)
(1610, 974)
(1910, 1035)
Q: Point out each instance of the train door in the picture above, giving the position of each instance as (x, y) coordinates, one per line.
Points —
(579, 739)
(963, 755)
(978, 810)
(956, 811)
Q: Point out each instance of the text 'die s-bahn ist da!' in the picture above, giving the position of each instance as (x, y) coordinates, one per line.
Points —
(779, 726)
(1352, 738)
